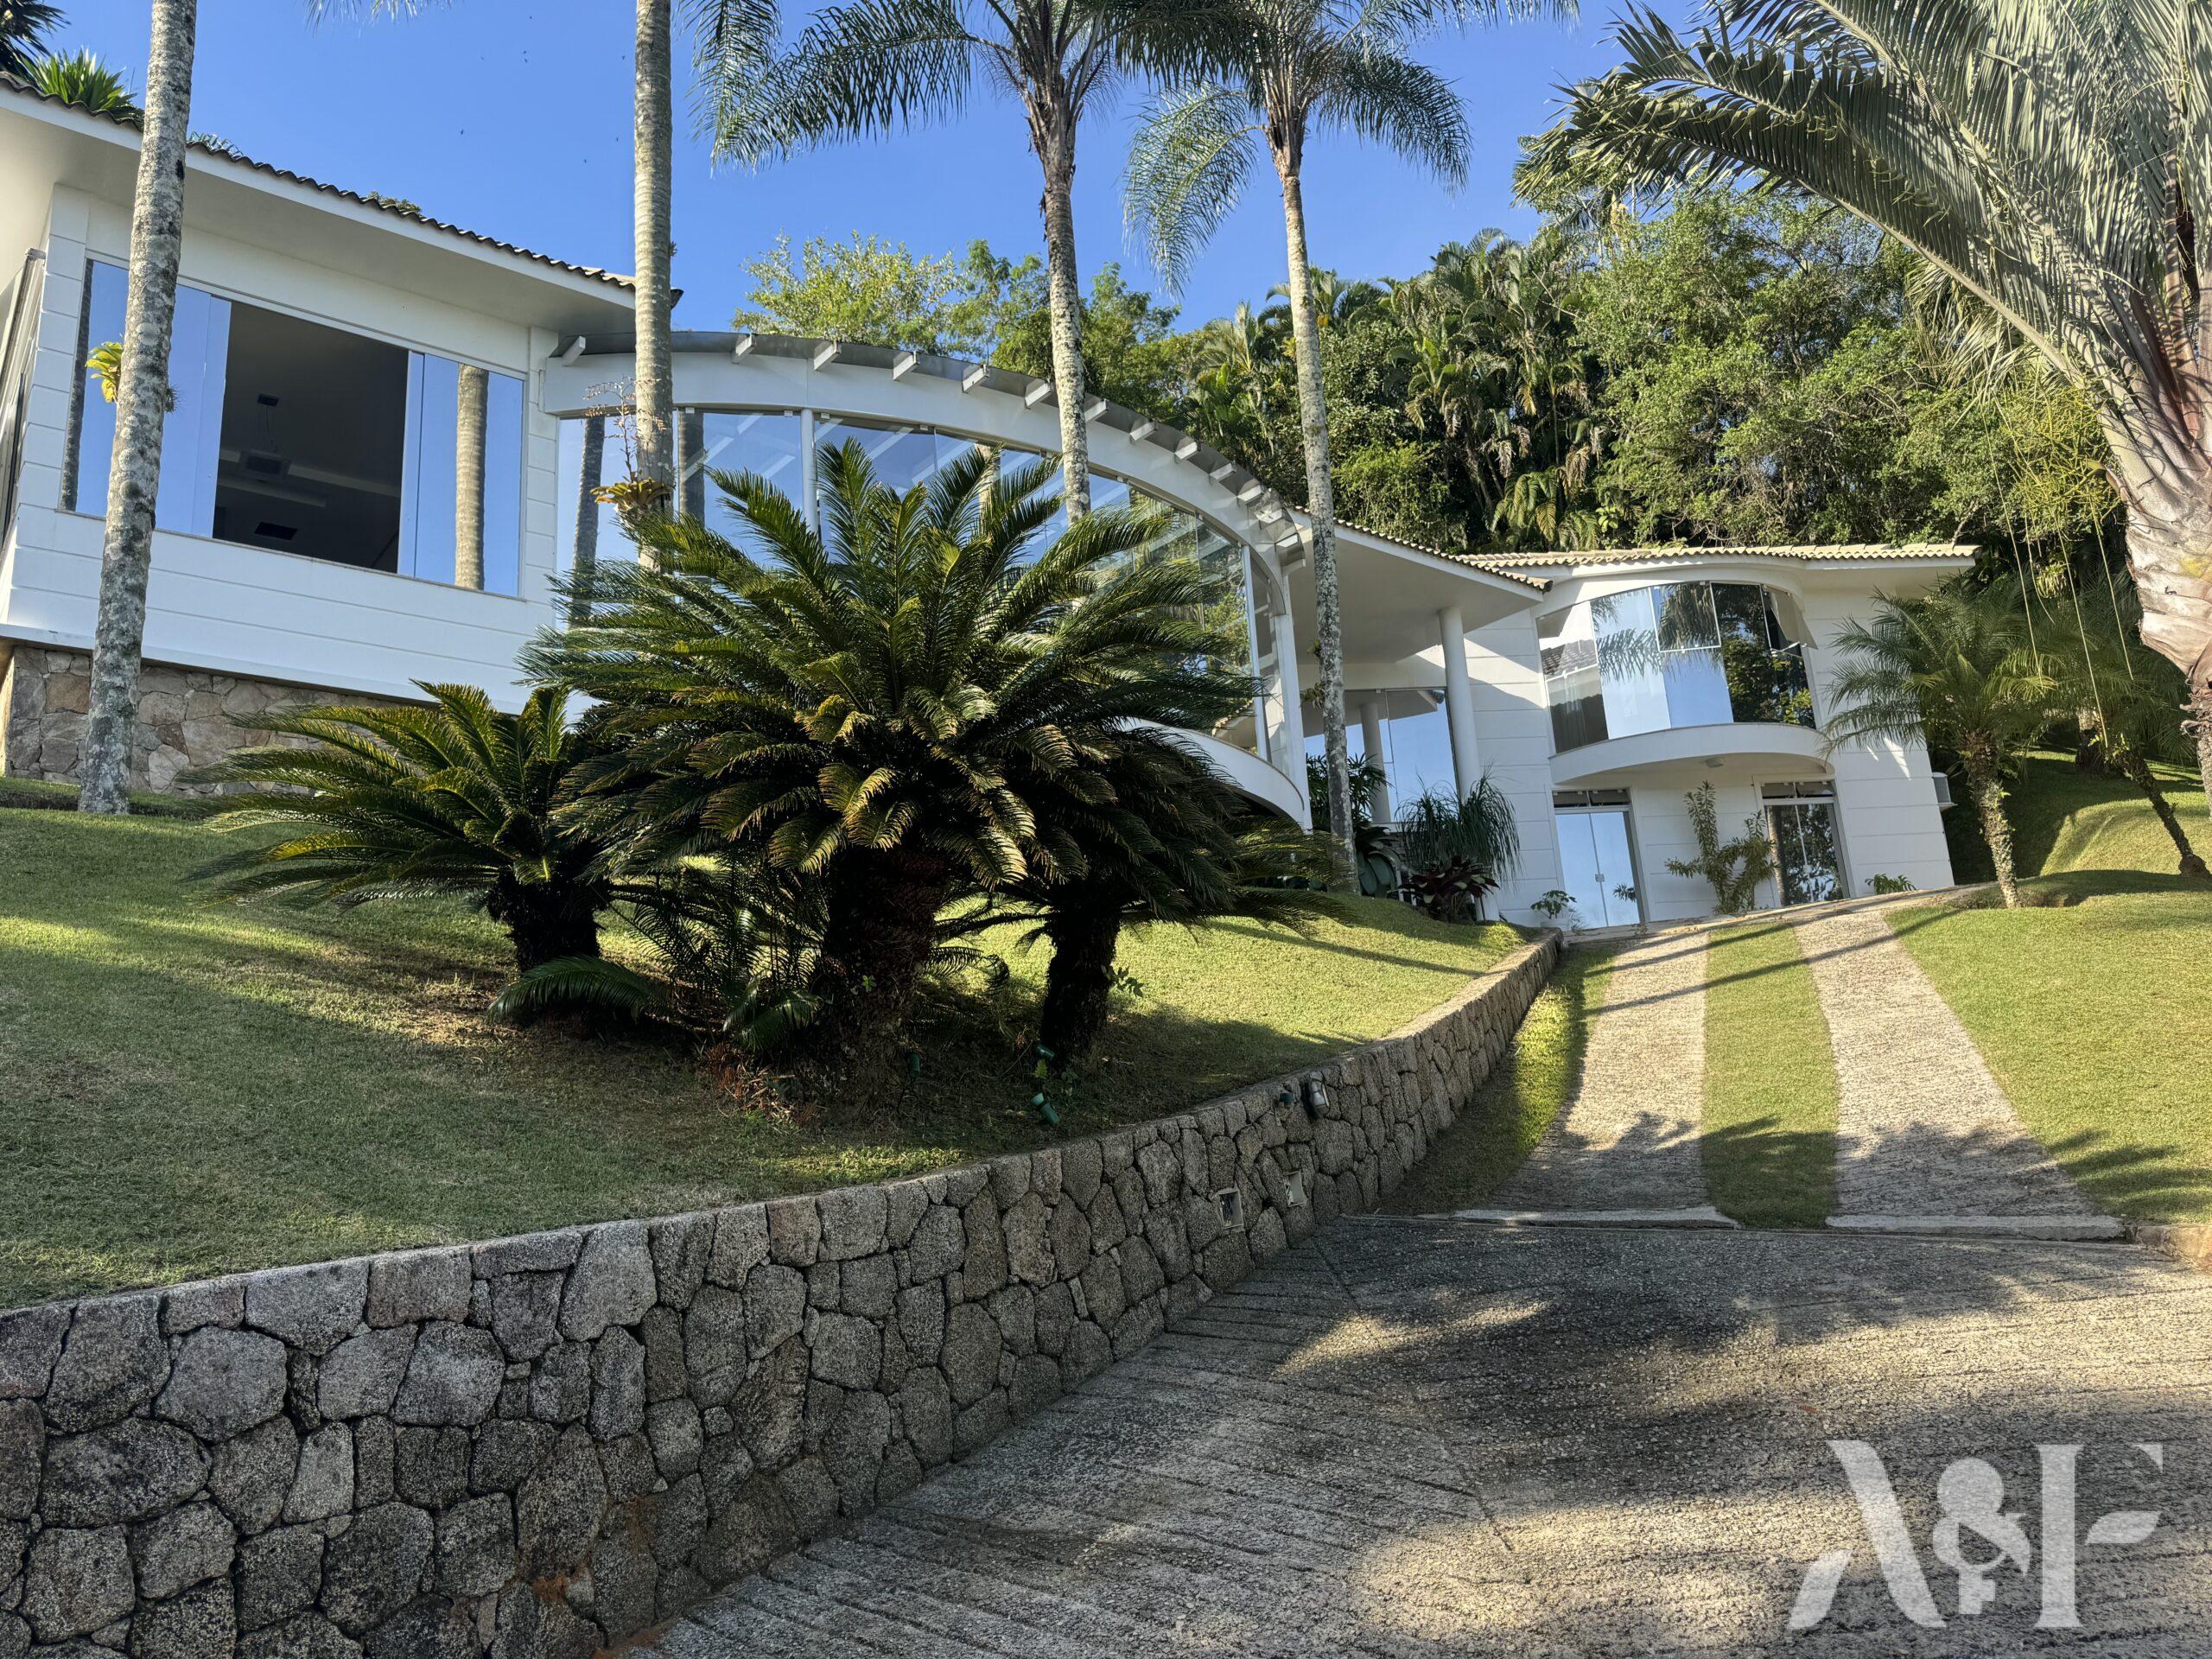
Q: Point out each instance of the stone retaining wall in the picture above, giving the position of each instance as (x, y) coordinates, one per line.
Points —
(539, 1446)
(187, 717)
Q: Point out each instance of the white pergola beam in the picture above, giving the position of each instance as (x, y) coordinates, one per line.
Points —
(825, 354)
(903, 364)
(744, 344)
(1039, 390)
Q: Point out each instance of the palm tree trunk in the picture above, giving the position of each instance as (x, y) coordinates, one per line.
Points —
(2139, 774)
(2169, 555)
(142, 400)
(881, 929)
(1078, 983)
(1321, 508)
(468, 478)
(654, 396)
(586, 559)
(1053, 133)
(1988, 788)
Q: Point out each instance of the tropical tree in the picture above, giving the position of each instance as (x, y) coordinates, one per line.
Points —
(1954, 666)
(1243, 70)
(868, 67)
(143, 397)
(81, 79)
(24, 24)
(884, 708)
(2053, 160)
(456, 799)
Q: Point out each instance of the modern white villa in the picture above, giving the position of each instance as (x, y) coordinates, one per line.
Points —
(332, 351)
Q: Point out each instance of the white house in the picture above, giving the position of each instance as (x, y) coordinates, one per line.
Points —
(327, 345)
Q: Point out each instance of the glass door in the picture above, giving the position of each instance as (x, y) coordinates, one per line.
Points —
(1800, 820)
(1598, 868)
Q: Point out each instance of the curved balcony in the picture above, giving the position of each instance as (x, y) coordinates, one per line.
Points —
(1671, 658)
(1718, 746)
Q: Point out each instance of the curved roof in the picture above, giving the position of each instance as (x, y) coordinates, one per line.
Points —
(1843, 552)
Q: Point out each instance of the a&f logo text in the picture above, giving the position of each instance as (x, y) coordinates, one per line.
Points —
(1970, 1500)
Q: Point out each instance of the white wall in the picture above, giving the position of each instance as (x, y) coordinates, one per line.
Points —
(1885, 792)
(253, 611)
(1513, 737)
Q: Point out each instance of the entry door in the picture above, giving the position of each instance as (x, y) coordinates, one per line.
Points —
(1597, 869)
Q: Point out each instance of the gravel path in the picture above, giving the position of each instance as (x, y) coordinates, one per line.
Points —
(1629, 1138)
(1416, 1439)
(1923, 1128)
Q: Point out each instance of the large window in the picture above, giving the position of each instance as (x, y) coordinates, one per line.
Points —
(1801, 819)
(1684, 653)
(291, 435)
(770, 442)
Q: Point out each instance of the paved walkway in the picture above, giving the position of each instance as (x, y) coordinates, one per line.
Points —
(1416, 1438)
(1629, 1138)
(1923, 1128)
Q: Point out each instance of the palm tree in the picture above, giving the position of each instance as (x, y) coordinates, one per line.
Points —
(868, 67)
(2051, 159)
(1242, 70)
(1956, 667)
(143, 397)
(24, 24)
(880, 707)
(81, 79)
(456, 799)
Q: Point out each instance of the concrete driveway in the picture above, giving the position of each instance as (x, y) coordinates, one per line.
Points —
(1414, 1437)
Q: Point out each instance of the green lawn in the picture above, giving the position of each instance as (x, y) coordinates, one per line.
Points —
(2066, 819)
(194, 1088)
(1770, 1081)
(2095, 1011)
(1509, 1115)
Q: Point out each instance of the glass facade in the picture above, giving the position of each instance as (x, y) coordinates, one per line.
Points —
(1597, 859)
(772, 443)
(1682, 653)
(298, 437)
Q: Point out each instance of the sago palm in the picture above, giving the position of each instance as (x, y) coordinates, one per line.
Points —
(1241, 72)
(1956, 667)
(879, 707)
(877, 67)
(455, 800)
(2052, 157)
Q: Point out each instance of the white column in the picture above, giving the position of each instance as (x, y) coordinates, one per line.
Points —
(1370, 741)
(810, 505)
(1458, 701)
(1293, 707)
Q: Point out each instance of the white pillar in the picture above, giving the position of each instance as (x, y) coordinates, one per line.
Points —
(1294, 710)
(1370, 741)
(810, 505)
(1458, 701)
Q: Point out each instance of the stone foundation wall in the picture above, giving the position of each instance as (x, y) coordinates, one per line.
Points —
(539, 1446)
(187, 717)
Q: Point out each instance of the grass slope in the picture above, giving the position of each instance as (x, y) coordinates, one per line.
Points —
(1509, 1115)
(2065, 819)
(2092, 1010)
(193, 1088)
(1769, 1142)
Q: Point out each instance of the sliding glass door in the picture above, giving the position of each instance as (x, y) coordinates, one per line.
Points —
(1808, 862)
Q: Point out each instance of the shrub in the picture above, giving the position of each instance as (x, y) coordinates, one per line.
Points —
(1732, 868)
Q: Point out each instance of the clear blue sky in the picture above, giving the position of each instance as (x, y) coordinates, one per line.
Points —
(513, 118)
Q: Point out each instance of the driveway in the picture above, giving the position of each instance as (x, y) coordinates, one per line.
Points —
(1415, 1437)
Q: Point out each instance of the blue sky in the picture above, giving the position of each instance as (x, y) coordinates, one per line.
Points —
(514, 119)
